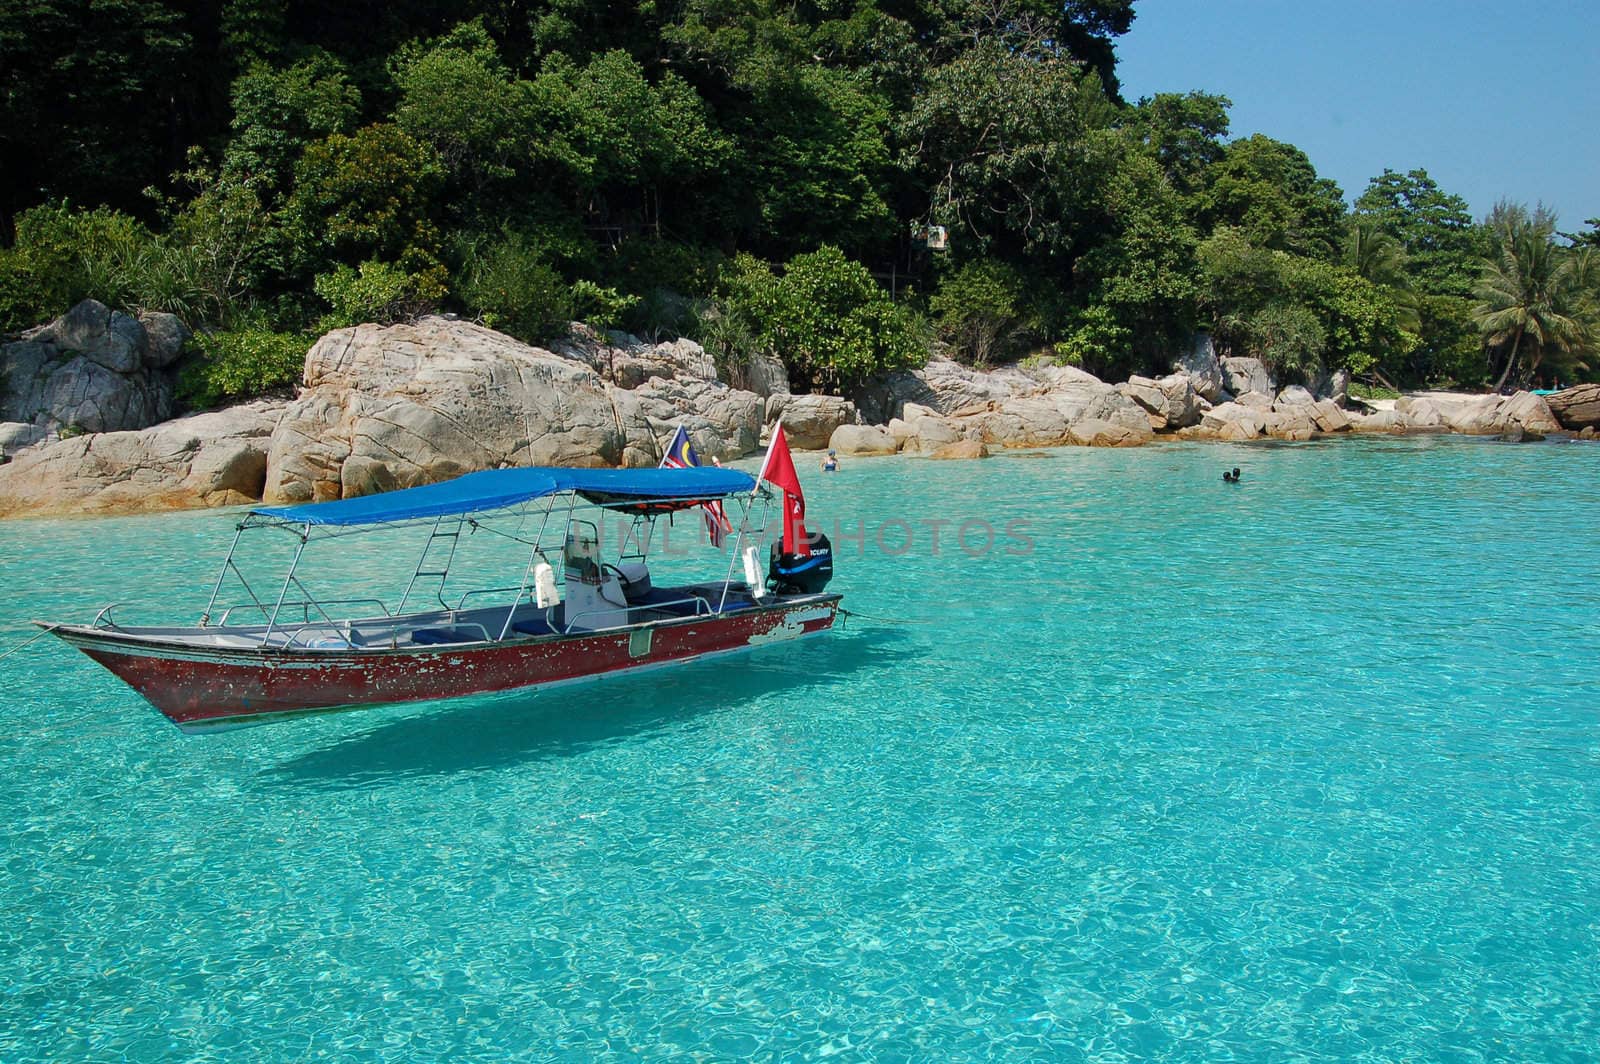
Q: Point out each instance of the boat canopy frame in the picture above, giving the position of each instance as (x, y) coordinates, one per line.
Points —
(479, 502)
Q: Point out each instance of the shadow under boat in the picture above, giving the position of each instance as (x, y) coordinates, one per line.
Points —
(497, 731)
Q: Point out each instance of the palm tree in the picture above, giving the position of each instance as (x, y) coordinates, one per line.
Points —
(1381, 259)
(1528, 292)
(1374, 254)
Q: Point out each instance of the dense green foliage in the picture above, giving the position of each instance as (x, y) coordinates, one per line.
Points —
(247, 361)
(757, 175)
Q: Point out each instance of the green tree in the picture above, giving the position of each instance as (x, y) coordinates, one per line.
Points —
(91, 95)
(277, 112)
(1444, 249)
(999, 142)
(491, 130)
(377, 291)
(1299, 314)
(1528, 294)
(1184, 131)
(1139, 263)
(510, 283)
(368, 195)
(828, 321)
(240, 364)
(820, 161)
(980, 310)
(1270, 190)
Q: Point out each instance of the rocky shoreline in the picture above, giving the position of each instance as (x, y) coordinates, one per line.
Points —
(390, 407)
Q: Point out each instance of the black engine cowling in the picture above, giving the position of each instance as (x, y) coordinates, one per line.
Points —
(801, 574)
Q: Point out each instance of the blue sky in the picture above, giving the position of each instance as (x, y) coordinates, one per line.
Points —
(1493, 100)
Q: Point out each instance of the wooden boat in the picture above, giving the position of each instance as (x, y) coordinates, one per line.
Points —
(582, 619)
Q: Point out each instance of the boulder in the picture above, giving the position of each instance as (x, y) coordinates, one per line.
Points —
(1234, 421)
(1033, 421)
(89, 371)
(627, 361)
(1286, 422)
(1329, 417)
(213, 459)
(167, 337)
(809, 420)
(106, 337)
(1479, 416)
(1201, 365)
(929, 432)
(1095, 432)
(1530, 413)
(1238, 431)
(1378, 421)
(1254, 400)
(1241, 375)
(943, 386)
(1335, 386)
(1419, 415)
(15, 435)
(417, 403)
(1171, 402)
(1576, 408)
(961, 449)
(762, 373)
(722, 422)
(862, 440)
(1294, 395)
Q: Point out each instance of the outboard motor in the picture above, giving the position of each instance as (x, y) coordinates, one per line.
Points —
(801, 574)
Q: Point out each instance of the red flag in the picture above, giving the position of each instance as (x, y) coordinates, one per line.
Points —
(778, 470)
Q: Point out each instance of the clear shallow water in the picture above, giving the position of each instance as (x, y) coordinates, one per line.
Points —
(1306, 768)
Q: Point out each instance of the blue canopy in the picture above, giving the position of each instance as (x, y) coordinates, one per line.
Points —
(496, 489)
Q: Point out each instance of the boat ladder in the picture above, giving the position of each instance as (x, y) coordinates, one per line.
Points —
(431, 550)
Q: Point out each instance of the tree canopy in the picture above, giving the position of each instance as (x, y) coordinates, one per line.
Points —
(837, 182)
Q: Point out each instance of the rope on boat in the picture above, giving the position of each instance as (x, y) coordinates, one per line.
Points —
(30, 641)
(853, 615)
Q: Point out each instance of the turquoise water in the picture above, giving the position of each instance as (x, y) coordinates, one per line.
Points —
(1304, 768)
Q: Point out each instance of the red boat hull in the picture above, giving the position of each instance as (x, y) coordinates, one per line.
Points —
(205, 688)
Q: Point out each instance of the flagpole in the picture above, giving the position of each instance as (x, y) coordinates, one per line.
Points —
(772, 442)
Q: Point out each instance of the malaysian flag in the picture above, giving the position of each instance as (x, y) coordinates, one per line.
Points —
(680, 455)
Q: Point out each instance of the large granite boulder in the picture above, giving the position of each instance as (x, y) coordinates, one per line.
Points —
(89, 371)
(1475, 415)
(1420, 414)
(627, 361)
(810, 420)
(212, 459)
(1233, 421)
(1576, 408)
(1201, 365)
(722, 422)
(1329, 416)
(166, 338)
(1240, 375)
(1530, 413)
(923, 431)
(396, 406)
(1059, 415)
(1171, 402)
(960, 449)
(105, 337)
(943, 386)
(862, 440)
(762, 373)
(1335, 386)
(1290, 422)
